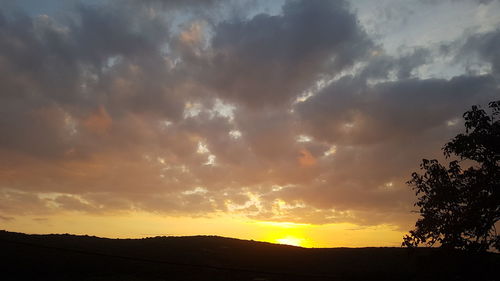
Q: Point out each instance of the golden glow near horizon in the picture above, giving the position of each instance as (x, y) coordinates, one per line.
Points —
(140, 225)
(287, 233)
(290, 240)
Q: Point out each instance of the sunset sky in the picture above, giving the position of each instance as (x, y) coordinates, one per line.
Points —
(293, 122)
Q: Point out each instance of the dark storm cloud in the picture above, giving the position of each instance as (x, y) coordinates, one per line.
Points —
(54, 56)
(119, 107)
(351, 113)
(268, 60)
(485, 47)
(381, 66)
(57, 73)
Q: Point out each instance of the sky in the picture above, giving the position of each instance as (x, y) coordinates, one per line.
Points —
(295, 122)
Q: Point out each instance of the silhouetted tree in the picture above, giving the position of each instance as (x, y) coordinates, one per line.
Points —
(460, 205)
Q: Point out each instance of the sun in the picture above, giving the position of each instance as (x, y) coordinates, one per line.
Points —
(286, 233)
(290, 240)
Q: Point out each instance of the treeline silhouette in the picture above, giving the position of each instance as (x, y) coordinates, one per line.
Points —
(71, 257)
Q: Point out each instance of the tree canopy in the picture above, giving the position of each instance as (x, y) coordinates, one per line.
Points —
(460, 204)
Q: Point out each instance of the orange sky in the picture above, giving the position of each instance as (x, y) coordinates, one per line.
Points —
(138, 225)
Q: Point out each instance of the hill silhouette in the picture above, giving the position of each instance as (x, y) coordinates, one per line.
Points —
(72, 257)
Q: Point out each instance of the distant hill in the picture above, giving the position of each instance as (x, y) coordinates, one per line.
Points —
(71, 257)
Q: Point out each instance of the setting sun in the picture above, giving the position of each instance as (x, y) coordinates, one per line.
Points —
(290, 240)
(287, 233)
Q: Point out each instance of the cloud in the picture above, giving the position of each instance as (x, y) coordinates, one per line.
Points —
(382, 66)
(351, 113)
(61, 76)
(7, 219)
(267, 60)
(299, 116)
(481, 49)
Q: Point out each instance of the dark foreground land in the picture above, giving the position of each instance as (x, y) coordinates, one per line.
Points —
(70, 257)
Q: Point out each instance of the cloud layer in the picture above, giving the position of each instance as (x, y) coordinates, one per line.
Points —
(169, 107)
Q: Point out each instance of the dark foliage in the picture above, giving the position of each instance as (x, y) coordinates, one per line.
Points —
(460, 205)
